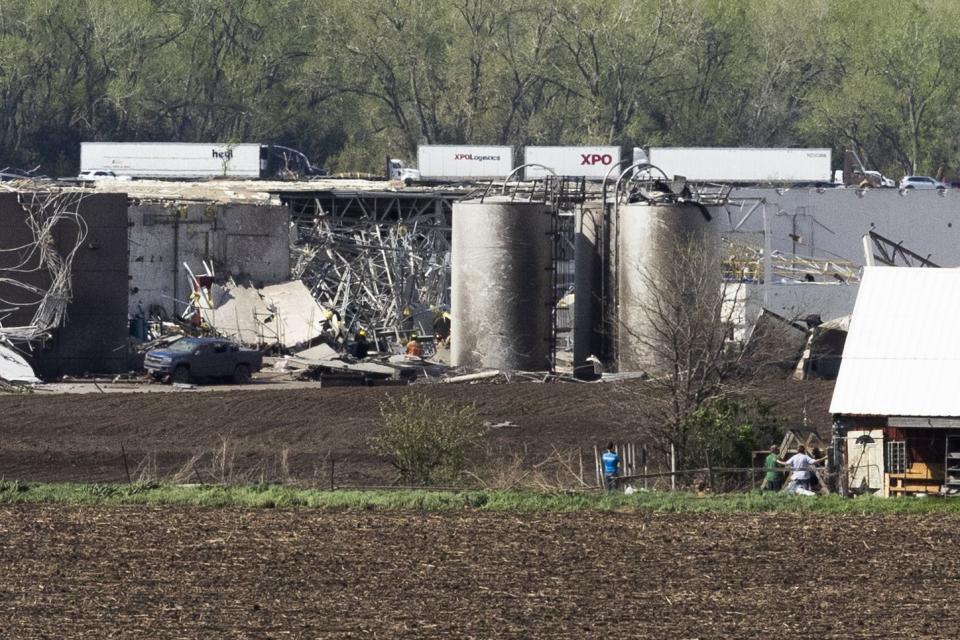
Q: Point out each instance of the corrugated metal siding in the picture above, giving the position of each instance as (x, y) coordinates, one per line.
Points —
(902, 355)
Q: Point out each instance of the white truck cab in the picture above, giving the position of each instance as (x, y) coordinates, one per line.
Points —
(396, 171)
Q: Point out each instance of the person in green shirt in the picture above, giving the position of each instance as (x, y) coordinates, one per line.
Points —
(773, 480)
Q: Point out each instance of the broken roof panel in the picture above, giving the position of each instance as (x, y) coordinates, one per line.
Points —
(902, 354)
(13, 368)
(284, 314)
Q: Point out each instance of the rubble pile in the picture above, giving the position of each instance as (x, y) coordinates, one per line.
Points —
(384, 276)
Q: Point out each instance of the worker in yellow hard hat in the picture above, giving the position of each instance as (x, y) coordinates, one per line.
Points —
(361, 347)
(441, 327)
(332, 329)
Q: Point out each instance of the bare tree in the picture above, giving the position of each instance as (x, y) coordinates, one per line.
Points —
(676, 323)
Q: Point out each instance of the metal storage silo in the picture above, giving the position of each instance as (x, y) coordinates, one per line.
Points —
(501, 296)
(651, 241)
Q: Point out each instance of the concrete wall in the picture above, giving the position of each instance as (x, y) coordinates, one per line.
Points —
(94, 337)
(243, 241)
(831, 223)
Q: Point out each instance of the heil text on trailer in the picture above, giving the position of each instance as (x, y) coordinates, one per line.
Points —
(185, 160)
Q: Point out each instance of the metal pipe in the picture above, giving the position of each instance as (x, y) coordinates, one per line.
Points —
(503, 190)
(176, 261)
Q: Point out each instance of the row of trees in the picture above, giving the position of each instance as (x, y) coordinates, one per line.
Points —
(349, 82)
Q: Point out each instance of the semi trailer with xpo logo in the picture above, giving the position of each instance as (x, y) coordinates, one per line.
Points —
(594, 163)
(483, 162)
(195, 160)
(438, 162)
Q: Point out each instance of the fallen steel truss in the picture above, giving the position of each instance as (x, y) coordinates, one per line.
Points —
(381, 260)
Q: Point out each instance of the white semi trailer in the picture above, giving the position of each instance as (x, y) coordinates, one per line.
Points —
(181, 160)
(460, 162)
(744, 165)
(594, 163)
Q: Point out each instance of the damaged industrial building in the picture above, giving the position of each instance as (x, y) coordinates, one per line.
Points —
(517, 272)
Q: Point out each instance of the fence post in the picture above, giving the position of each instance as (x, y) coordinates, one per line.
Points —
(596, 467)
(580, 450)
(643, 453)
(673, 468)
(709, 472)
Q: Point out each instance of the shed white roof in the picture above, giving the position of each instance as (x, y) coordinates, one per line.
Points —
(902, 354)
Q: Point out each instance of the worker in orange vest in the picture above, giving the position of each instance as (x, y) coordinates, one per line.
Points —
(413, 347)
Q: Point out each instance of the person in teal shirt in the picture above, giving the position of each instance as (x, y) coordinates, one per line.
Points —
(773, 480)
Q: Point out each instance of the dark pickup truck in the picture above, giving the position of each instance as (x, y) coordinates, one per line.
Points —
(195, 359)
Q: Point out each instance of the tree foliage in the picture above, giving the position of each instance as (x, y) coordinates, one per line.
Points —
(350, 82)
(726, 432)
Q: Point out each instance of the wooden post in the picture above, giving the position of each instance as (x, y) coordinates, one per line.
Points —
(753, 471)
(331, 472)
(709, 472)
(643, 454)
(596, 467)
(126, 467)
(673, 468)
(580, 450)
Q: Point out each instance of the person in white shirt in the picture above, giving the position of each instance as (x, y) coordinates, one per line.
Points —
(800, 465)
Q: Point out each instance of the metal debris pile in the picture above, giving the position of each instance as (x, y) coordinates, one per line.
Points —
(386, 277)
(744, 262)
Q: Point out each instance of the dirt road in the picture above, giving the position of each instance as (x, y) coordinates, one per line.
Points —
(202, 573)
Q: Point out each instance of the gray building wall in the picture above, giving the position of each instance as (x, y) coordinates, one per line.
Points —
(831, 223)
(94, 337)
(241, 240)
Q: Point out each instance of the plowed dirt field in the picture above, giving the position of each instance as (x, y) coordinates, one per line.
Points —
(96, 572)
(84, 437)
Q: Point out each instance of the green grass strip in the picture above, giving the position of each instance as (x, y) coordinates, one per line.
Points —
(285, 497)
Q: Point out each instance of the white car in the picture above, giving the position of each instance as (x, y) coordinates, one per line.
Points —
(100, 174)
(921, 182)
